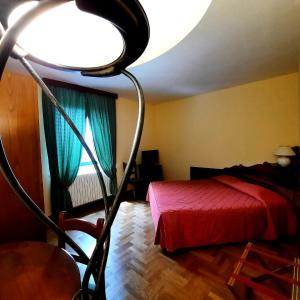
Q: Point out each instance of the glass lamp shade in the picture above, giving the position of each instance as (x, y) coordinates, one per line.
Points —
(63, 36)
(67, 36)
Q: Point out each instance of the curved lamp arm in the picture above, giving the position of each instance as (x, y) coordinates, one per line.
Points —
(117, 200)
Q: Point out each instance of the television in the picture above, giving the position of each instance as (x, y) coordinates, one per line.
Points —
(150, 157)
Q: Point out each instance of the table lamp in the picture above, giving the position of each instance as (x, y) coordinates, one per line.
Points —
(283, 154)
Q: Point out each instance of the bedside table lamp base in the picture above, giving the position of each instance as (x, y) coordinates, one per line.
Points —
(283, 154)
(283, 161)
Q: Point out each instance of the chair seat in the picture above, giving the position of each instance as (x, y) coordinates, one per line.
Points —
(37, 270)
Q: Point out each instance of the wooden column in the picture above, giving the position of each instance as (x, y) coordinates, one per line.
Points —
(19, 128)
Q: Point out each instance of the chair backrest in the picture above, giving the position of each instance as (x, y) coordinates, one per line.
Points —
(66, 224)
(94, 230)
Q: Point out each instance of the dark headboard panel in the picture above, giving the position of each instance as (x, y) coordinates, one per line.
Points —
(265, 174)
(274, 174)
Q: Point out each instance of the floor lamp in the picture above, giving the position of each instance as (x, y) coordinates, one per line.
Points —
(128, 35)
(132, 25)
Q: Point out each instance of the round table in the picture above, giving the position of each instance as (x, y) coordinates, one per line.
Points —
(37, 270)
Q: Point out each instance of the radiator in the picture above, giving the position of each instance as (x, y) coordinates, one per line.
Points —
(86, 189)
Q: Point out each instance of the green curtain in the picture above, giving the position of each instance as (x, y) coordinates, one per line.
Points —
(63, 147)
(101, 110)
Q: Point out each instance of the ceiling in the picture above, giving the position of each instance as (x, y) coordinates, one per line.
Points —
(236, 42)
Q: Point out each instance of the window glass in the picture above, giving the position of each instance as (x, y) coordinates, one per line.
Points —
(86, 166)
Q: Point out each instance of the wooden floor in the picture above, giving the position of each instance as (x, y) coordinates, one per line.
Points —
(137, 269)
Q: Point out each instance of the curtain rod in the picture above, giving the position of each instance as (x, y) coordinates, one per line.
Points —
(78, 87)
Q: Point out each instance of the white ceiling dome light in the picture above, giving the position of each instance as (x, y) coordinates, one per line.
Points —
(170, 22)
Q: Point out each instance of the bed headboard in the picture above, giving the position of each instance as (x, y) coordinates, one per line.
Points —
(264, 174)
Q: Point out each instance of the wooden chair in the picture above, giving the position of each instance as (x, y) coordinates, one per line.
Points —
(65, 224)
(94, 230)
(22, 263)
(37, 270)
(271, 276)
(136, 185)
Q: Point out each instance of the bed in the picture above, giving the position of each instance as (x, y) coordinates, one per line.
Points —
(229, 206)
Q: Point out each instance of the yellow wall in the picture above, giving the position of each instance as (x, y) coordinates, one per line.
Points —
(243, 124)
(126, 121)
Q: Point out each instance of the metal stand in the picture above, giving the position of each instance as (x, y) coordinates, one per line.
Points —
(8, 48)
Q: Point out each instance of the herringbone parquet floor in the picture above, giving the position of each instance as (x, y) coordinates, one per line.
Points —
(139, 270)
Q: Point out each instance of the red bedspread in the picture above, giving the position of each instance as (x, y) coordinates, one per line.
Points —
(223, 209)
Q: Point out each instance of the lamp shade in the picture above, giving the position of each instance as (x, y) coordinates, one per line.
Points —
(70, 38)
(284, 151)
(95, 37)
(67, 36)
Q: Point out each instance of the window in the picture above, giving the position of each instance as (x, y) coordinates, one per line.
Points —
(86, 165)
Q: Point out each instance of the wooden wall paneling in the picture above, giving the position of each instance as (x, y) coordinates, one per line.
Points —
(19, 128)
